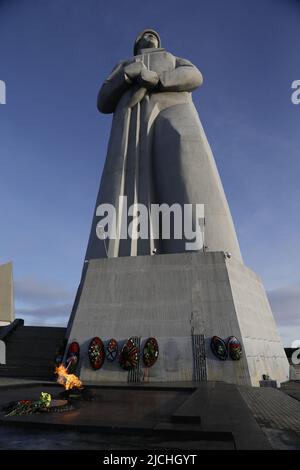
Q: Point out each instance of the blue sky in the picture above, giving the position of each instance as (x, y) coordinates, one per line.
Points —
(53, 58)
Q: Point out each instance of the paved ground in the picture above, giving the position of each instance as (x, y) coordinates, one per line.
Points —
(277, 413)
(272, 408)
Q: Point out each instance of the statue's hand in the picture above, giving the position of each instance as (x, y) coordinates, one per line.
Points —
(148, 79)
(132, 71)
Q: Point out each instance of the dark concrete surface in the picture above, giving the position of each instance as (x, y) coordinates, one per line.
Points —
(110, 408)
(178, 416)
(19, 438)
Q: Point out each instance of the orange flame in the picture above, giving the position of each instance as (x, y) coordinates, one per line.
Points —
(67, 380)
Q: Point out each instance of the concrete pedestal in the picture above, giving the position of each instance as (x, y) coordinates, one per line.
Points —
(182, 300)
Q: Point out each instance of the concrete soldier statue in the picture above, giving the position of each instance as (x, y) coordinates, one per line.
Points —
(158, 152)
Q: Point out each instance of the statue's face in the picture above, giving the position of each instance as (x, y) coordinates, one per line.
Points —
(148, 40)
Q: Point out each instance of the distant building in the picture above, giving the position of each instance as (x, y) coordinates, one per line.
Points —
(7, 307)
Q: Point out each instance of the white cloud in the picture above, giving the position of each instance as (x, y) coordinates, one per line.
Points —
(42, 303)
(56, 315)
(285, 303)
(33, 292)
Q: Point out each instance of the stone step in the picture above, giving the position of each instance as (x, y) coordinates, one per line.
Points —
(26, 372)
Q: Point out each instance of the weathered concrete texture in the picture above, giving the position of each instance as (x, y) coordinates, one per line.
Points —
(173, 297)
(262, 344)
(7, 309)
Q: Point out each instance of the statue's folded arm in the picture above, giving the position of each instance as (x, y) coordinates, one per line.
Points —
(185, 77)
(112, 89)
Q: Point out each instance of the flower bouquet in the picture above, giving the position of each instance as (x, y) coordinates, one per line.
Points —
(28, 407)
